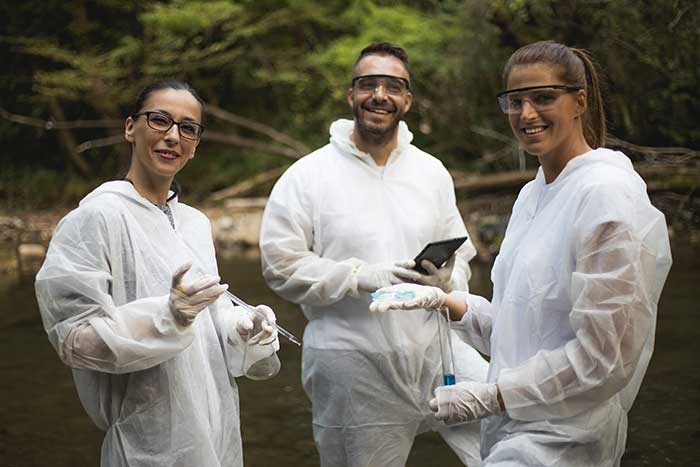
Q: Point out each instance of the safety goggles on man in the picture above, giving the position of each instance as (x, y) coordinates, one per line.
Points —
(161, 122)
(394, 85)
(541, 98)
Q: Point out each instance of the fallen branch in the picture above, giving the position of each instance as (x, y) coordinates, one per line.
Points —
(658, 178)
(653, 152)
(59, 125)
(491, 182)
(246, 185)
(257, 127)
(236, 140)
(99, 142)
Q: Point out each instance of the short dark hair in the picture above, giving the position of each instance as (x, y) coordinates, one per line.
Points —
(385, 48)
(160, 85)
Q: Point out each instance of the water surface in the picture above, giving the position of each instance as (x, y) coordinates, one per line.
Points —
(45, 425)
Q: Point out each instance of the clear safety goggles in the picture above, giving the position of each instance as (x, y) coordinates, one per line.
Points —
(541, 98)
(394, 85)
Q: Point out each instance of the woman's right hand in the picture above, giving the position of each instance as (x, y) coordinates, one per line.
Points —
(407, 297)
(187, 300)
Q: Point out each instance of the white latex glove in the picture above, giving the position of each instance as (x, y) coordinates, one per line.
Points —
(465, 402)
(188, 300)
(438, 277)
(371, 277)
(264, 330)
(424, 297)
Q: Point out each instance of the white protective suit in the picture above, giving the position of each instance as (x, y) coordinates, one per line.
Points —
(571, 326)
(369, 375)
(164, 394)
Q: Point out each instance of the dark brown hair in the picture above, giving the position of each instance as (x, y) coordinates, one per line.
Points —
(577, 69)
(385, 48)
(159, 86)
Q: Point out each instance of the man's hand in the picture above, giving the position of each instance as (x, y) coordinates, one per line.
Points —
(371, 277)
(188, 300)
(438, 277)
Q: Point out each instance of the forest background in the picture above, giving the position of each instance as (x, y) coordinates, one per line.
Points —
(275, 73)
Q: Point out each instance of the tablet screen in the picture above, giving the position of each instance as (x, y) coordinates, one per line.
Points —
(438, 252)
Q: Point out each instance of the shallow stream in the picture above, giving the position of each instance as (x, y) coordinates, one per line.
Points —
(43, 423)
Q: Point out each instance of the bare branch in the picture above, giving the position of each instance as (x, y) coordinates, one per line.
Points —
(246, 185)
(251, 143)
(678, 17)
(488, 132)
(59, 125)
(98, 143)
(258, 127)
(491, 182)
(665, 155)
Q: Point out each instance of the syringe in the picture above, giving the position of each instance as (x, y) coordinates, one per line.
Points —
(252, 309)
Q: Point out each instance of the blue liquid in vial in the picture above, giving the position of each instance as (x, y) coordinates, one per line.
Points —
(391, 296)
(449, 380)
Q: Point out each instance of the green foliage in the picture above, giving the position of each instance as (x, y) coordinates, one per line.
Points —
(44, 188)
(288, 63)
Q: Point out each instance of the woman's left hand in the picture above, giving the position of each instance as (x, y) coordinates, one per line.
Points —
(265, 328)
(407, 297)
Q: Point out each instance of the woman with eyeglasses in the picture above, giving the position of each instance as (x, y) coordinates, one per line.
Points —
(570, 327)
(130, 298)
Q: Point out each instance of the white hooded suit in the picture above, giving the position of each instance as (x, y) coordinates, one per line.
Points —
(369, 375)
(570, 329)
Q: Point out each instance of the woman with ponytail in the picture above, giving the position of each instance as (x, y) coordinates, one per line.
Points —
(570, 327)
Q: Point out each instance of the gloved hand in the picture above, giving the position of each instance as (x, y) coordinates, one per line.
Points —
(187, 300)
(465, 402)
(429, 298)
(371, 277)
(263, 330)
(438, 277)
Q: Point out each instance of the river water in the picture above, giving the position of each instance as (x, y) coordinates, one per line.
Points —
(43, 423)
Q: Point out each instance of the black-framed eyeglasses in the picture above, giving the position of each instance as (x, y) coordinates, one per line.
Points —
(161, 122)
(541, 98)
(394, 85)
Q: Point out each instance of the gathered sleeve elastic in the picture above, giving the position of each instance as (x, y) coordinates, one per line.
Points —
(85, 326)
(614, 289)
(475, 326)
(289, 265)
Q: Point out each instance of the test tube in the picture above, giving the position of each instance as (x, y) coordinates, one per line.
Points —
(448, 373)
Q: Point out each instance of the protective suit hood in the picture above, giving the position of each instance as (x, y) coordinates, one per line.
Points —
(121, 188)
(605, 158)
(341, 130)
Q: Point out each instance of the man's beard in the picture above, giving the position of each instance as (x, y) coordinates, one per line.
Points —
(373, 135)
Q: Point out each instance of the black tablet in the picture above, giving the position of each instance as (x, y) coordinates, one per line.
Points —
(438, 252)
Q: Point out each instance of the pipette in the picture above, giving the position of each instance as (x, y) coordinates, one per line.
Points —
(252, 309)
